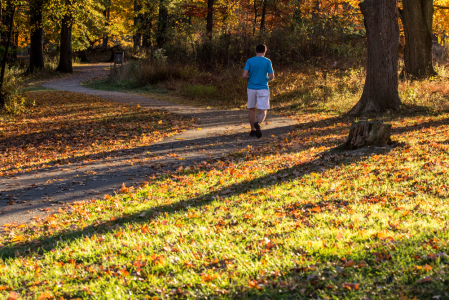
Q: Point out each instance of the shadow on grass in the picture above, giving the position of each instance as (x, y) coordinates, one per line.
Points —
(283, 175)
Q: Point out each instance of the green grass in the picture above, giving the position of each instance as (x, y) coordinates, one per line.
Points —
(276, 222)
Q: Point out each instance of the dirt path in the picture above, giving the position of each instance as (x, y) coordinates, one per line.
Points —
(28, 195)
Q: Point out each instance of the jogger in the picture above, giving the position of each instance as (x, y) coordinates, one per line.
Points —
(259, 71)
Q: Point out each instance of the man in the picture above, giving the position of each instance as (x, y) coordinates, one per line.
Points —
(259, 71)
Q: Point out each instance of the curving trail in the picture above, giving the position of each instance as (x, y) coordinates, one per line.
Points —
(222, 131)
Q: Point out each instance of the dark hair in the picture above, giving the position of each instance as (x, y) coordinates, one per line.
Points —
(261, 48)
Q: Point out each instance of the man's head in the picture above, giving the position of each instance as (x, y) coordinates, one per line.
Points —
(261, 48)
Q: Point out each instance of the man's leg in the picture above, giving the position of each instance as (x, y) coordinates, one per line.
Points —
(262, 115)
(252, 118)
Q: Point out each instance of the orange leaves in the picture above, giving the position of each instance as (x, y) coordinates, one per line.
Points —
(47, 295)
(66, 126)
(254, 285)
(187, 264)
(124, 189)
(316, 209)
(13, 296)
(208, 277)
(157, 260)
(339, 236)
(351, 286)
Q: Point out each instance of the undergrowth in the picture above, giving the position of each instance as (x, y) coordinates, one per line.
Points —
(293, 89)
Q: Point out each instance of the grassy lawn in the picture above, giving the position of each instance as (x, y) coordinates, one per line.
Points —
(276, 222)
(64, 127)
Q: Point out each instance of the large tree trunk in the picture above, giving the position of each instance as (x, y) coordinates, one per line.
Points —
(417, 18)
(37, 36)
(162, 24)
(5, 57)
(65, 55)
(380, 92)
(210, 19)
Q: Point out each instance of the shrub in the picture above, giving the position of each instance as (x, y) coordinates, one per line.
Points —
(138, 74)
(201, 91)
(15, 98)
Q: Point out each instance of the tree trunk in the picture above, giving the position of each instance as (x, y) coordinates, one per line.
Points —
(162, 24)
(380, 92)
(5, 57)
(107, 15)
(264, 13)
(210, 19)
(417, 18)
(137, 39)
(364, 134)
(65, 55)
(255, 17)
(146, 37)
(37, 36)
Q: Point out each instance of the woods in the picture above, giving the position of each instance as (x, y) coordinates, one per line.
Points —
(224, 149)
(217, 34)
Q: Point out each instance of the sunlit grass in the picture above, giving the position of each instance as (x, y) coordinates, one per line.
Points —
(277, 221)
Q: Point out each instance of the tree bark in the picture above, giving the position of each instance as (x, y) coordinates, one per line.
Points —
(5, 57)
(364, 134)
(264, 13)
(162, 24)
(37, 36)
(107, 15)
(417, 18)
(146, 37)
(380, 92)
(138, 18)
(210, 19)
(65, 55)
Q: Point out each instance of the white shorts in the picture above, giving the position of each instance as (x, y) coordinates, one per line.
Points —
(258, 99)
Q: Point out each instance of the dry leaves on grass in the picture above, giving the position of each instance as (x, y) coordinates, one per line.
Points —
(64, 127)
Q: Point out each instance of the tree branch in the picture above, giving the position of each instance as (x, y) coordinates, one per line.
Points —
(441, 7)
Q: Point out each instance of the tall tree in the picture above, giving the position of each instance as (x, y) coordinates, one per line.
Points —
(138, 20)
(107, 16)
(37, 36)
(210, 19)
(380, 92)
(162, 23)
(263, 16)
(12, 10)
(65, 48)
(417, 19)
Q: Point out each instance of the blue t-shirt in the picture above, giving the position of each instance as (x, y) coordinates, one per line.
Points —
(258, 68)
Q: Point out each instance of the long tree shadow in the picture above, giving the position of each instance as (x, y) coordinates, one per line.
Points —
(283, 175)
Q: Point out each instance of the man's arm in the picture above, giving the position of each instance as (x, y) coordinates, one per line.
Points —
(270, 76)
(245, 74)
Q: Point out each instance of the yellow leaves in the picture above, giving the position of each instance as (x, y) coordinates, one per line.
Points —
(426, 268)
(18, 238)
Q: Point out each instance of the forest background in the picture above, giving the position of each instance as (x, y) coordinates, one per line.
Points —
(206, 42)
